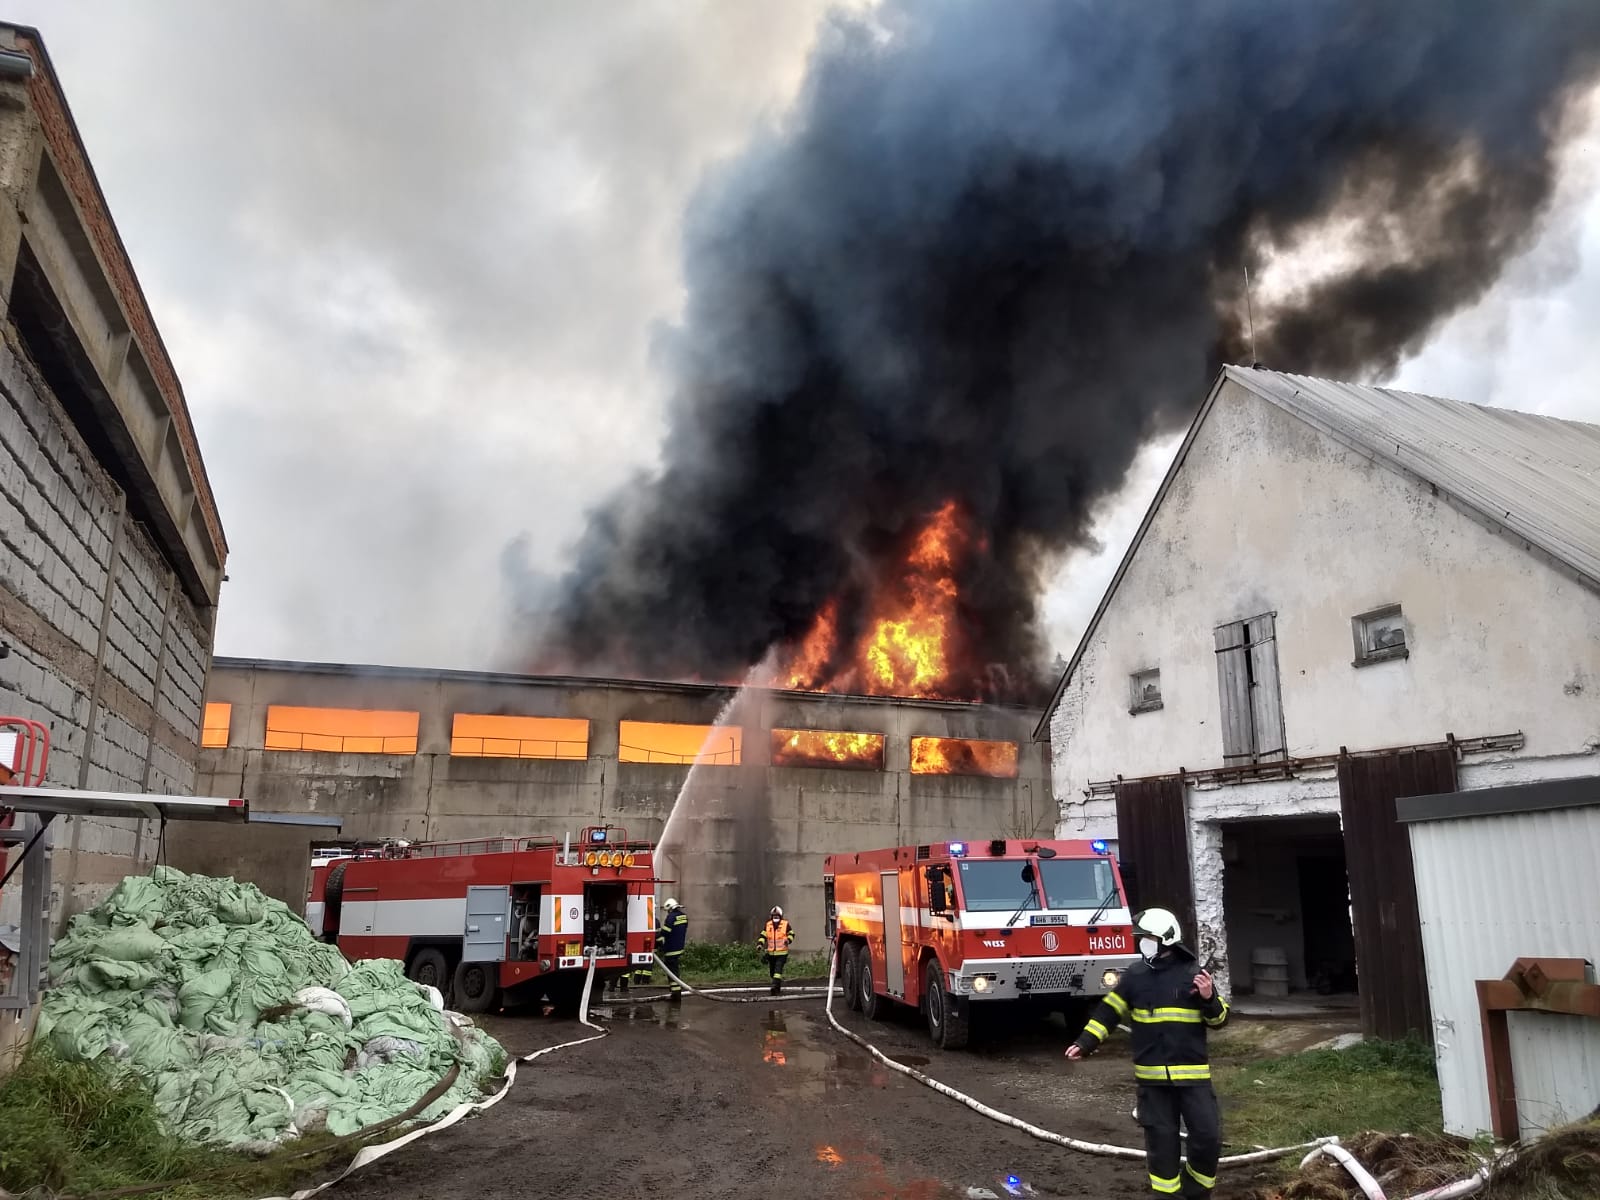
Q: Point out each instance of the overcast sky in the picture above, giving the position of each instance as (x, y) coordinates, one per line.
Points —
(410, 273)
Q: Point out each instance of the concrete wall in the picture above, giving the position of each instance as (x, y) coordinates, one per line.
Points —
(1269, 515)
(274, 857)
(110, 551)
(759, 831)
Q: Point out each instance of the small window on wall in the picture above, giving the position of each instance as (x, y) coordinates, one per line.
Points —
(669, 742)
(483, 735)
(1146, 692)
(1380, 635)
(214, 727)
(341, 730)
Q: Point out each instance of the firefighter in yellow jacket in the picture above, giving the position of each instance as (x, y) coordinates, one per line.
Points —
(775, 941)
(1168, 1003)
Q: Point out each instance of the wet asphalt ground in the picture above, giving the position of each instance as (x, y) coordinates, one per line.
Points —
(709, 1099)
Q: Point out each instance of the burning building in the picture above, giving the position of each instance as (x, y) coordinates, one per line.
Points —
(772, 782)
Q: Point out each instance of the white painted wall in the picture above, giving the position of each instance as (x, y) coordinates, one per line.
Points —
(1269, 515)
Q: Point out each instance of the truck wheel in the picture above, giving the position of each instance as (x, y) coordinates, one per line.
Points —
(850, 975)
(948, 1031)
(428, 967)
(477, 987)
(873, 1006)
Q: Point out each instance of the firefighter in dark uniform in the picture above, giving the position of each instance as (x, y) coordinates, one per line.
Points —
(1168, 1003)
(671, 938)
(775, 941)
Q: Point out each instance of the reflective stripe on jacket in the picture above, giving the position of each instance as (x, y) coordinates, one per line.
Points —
(1168, 1021)
(775, 938)
(674, 932)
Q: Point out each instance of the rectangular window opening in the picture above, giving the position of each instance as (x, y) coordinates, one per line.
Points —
(963, 756)
(1145, 691)
(341, 730)
(214, 726)
(827, 748)
(1380, 635)
(670, 742)
(487, 735)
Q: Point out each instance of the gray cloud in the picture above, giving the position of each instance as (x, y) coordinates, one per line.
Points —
(409, 270)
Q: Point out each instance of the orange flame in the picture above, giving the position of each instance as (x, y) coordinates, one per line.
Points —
(825, 748)
(963, 756)
(905, 648)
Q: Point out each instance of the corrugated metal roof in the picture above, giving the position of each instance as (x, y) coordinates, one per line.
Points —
(1537, 476)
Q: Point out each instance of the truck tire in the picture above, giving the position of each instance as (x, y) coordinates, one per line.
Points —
(332, 902)
(477, 987)
(428, 967)
(850, 975)
(948, 1031)
(873, 1006)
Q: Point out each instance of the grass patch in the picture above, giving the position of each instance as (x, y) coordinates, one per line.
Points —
(80, 1128)
(741, 962)
(74, 1126)
(1392, 1086)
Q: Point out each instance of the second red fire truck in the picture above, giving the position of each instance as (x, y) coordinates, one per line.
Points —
(958, 928)
(496, 918)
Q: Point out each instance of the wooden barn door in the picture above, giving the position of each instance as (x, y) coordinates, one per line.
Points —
(1153, 845)
(1383, 888)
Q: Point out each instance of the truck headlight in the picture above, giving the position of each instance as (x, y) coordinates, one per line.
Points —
(980, 983)
(1109, 977)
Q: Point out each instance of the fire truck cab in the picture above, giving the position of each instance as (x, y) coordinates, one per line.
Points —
(493, 919)
(961, 928)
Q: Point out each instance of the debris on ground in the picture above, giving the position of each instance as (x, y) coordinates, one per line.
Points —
(1403, 1166)
(247, 1028)
(1564, 1163)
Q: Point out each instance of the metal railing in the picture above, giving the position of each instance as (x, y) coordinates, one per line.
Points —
(495, 747)
(334, 743)
(727, 758)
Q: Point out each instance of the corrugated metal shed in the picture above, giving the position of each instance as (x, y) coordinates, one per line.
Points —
(1538, 477)
(1502, 874)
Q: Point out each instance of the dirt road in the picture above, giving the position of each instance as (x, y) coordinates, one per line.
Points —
(737, 1100)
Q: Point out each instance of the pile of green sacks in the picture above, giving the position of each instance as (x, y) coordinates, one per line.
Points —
(249, 1029)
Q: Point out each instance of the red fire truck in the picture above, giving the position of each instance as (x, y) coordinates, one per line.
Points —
(495, 918)
(959, 928)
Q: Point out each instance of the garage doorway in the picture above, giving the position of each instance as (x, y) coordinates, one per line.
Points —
(1286, 908)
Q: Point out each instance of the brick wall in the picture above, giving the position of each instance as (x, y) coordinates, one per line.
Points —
(60, 547)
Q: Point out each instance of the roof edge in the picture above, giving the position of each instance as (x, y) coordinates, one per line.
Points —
(1134, 543)
(1503, 524)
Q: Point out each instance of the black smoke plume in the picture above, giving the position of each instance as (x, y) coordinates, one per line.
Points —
(995, 247)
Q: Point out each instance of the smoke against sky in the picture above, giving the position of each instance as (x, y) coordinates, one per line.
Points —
(413, 274)
(994, 252)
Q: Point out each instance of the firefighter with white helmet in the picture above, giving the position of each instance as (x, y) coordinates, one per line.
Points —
(1168, 1002)
(775, 940)
(671, 937)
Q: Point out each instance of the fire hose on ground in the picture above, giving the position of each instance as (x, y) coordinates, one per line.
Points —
(1325, 1145)
(1321, 1146)
(371, 1154)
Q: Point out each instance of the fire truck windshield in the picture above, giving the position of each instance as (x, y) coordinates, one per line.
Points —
(996, 885)
(1075, 882)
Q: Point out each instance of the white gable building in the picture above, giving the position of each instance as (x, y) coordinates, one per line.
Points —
(1340, 595)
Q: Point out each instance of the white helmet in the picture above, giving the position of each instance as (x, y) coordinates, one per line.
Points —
(1157, 924)
(669, 904)
(776, 912)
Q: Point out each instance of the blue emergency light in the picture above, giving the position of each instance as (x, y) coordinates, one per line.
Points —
(1098, 847)
(958, 849)
(597, 835)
